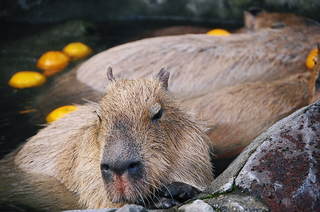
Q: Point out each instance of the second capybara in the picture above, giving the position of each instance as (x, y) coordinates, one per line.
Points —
(136, 140)
(256, 19)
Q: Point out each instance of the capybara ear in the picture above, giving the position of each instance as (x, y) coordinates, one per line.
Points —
(110, 75)
(254, 11)
(163, 77)
(250, 17)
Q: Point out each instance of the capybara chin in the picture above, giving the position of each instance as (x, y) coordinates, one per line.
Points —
(120, 150)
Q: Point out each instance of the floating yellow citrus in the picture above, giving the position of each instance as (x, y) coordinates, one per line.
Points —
(218, 32)
(27, 79)
(52, 62)
(60, 112)
(312, 56)
(77, 50)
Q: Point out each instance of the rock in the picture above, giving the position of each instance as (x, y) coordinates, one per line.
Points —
(132, 208)
(126, 208)
(281, 166)
(237, 202)
(94, 210)
(284, 171)
(198, 205)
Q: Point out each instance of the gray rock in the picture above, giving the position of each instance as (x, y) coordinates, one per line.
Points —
(132, 208)
(237, 202)
(280, 167)
(284, 170)
(94, 210)
(197, 205)
(225, 181)
(126, 208)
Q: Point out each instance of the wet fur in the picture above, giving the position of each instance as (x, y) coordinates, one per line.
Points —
(237, 114)
(69, 150)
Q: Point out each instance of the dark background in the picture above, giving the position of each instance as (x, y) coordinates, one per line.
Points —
(215, 11)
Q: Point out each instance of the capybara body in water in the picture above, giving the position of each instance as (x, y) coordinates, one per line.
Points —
(120, 150)
(200, 65)
(197, 62)
(200, 62)
(237, 114)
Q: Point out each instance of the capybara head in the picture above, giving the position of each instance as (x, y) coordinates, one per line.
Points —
(255, 19)
(148, 141)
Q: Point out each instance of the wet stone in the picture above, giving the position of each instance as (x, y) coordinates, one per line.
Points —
(284, 170)
(94, 210)
(126, 208)
(197, 205)
(132, 208)
(237, 202)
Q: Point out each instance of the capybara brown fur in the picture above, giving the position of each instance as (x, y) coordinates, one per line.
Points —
(202, 62)
(177, 30)
(237, 114)
(120, 150)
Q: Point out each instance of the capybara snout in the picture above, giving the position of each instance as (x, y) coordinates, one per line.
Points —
(121, 159)
(134, 168)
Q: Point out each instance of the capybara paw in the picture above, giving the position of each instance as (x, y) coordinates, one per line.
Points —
(174, 194)
(164, 203)
(179, 191)
(171, 195)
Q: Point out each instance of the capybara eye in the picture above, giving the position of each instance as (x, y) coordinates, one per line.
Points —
(157, 116)
(278, 25)
(156, 112)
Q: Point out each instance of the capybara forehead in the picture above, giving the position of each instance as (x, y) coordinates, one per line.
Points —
(126, 94)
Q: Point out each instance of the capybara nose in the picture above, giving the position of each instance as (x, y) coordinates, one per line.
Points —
(132, 167)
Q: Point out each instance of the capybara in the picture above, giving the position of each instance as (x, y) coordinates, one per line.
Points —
(199, 64)
(202, 62)
(256, 19)
(136, 140)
